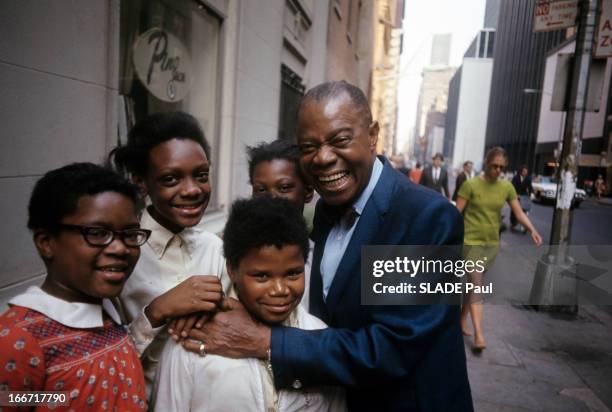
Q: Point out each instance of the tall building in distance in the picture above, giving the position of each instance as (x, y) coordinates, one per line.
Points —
(468, 101)
(433, 97)
(440, 50)
(519, 66)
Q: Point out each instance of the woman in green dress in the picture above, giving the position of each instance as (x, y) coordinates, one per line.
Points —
(481, 199)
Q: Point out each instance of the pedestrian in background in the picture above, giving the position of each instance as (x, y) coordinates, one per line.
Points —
(398, 163)
(416, 173)
(600, 186)
(435, 177)
(522, 184)
(481, 199)
(466, 173)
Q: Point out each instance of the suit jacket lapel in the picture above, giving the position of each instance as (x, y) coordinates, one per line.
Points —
(321, 226)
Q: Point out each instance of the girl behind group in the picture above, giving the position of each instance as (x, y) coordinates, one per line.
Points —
(481, 199)
(180, 266)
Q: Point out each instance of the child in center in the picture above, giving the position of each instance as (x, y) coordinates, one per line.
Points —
(274, 170)
(265, 245)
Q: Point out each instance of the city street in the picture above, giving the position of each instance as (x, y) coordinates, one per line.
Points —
(591, 225)
(537, 361)
(207, 103)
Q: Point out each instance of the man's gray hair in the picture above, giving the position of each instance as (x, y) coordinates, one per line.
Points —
(325, 91)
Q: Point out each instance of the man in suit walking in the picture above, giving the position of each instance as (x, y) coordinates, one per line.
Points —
(522, 184)
(435, 176)
(390, 358)
(465, 174)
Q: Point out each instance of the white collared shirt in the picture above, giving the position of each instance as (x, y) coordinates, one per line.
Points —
(72, 314)
(340, 235)
(188, 382)
(166, 260)
(435, 172)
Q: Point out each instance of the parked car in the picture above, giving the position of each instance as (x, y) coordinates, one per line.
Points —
(545, 190)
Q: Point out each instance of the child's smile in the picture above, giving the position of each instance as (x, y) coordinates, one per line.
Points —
(270, 281)
(178, 183)
(82, 272)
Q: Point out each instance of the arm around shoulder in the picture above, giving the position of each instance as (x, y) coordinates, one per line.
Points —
(392, 339)
(388, 348)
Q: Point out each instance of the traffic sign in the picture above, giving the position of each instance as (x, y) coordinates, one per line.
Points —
(554, 14)
(603, 37)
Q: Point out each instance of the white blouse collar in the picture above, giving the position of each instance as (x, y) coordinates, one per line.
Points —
(72, 314)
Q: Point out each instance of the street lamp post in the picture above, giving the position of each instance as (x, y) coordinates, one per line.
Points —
(551, 278)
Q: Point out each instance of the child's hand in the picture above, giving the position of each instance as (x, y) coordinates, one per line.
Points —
(196, 294)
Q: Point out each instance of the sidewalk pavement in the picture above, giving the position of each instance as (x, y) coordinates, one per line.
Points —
(538, 361)
(606, 201)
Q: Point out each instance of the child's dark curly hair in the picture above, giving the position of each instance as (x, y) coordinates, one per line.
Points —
(277, 149)
(151, 131)
(263, 221)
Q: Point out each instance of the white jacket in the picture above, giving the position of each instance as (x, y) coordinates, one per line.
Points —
(188, 382)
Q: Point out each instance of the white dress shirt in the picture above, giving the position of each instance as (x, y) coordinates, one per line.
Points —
(435, 172)
(340, 235)
(166, 260)
(188, 382)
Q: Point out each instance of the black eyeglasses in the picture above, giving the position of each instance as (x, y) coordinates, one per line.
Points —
(99, 236)
(500, 167)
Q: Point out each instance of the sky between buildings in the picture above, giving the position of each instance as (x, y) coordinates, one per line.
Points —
(422, 19)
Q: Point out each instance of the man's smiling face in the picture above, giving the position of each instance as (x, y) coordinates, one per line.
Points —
(337, 147)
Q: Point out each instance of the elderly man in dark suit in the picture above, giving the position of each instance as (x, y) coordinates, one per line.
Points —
(522, 184)
(435, 176)
(390, 358)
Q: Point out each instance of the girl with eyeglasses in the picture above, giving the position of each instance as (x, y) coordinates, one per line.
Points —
(181, 267)
(65, 339)
(481, 199)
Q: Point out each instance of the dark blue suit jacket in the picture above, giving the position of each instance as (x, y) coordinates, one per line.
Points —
(390, 358)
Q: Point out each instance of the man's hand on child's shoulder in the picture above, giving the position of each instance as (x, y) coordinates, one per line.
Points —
(179, 328)
(231, 332)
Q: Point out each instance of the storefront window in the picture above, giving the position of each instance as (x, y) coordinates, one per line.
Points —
(169, 61)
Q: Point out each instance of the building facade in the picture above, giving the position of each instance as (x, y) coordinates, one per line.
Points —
(76, 84)
(519, 65)
(385, 76)
(350, 39)
(468, 107)
(596, 156)
(433, 97)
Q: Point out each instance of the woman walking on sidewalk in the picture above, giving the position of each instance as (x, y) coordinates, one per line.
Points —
(600, 186)
(481, 199)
